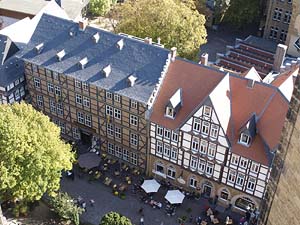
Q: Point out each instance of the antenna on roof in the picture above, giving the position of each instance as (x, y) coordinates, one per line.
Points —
(106, 70)
(96, 37)
(120, 44)
(60, 55)
(39, 48)
(82, 63)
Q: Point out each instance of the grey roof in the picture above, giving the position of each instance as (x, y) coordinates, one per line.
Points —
(261, 43)
(11, 68)
(32, 7)
(144, 61)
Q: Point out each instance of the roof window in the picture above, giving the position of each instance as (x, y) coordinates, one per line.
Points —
(60, 55)
(83, 62)
(106, 70)
(96, 37)
(120, 44)
(39, 48)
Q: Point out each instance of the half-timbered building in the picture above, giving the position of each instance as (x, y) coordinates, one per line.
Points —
(98, 87)
(216, 133)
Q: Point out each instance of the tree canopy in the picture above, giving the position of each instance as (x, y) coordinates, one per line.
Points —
(32, 155)
(241, 13)
(100, 7)
(113, 218)
(177, 23)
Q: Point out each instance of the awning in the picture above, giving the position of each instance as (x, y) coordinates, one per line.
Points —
(174, 197)
(150, 186)
(89, 160)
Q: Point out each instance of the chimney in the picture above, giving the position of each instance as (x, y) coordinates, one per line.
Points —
(204, 59)
(279, 57)
(158, 40)
(82, 24)
(173, 53)
(148, 40)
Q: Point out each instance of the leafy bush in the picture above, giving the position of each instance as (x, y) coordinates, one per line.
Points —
(113, 218)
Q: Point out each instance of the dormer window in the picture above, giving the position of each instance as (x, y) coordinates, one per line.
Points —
(39, 48)
(170, 112)
(245, 139)
(83, 62)
(207, 111)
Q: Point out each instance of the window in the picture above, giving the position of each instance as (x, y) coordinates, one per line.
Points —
(207, 111)
(109, 110)
(133, 104)
(170, 112)
(59, 108)
(243, 163)
(50, 88)
(48, 73)
(80, 117)
(194, 163)
(224, 194)
(174, 137)
(110, 148)
(209, 169)
(52, 106)
(37, 82)
(17, 82)
(11, 98)
(108, 95)
(212, 150)
(201, 166)
(133, 139)
(196, 126)
(118, 114)
(167, 150)
(287, 17)
(133, 120)
(125, 155)
(195, 144)
(277, 14)
(76, 133)
(205, 127)
(88, 120)
(214, 131)
(273, 33)
(159, 147)
(22, 79)
(40, 100)
(34, 68)
(244, 139)
(77, 83)
(234, 160)
(78, 99)
(251, 183)
(55, 75)
(244, 203)
(171, 172)
(173, 153)
(85, 86)
(240, 179)
(254, 167)
(86, 101)
(9, 87)
(203, 146)
(62, 127)
(133, 159)
(283, 35)
(159, 168)
(17, 94)
(193, 182)
(118, 151)
(118, 132)
(22, 91)
(57, 91)
(110, 129)
(159, 131)
(167, 133)
(231, 176)
(117, 98)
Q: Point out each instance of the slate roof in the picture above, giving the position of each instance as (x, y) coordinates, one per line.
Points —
(144, 61)
(11, 68)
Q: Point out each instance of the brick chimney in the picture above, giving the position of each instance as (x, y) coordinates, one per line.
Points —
(173, 53)
(204, 59)
(82, 24)
(148, 40)
(279, 57)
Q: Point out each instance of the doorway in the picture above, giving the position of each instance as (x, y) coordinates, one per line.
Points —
(206, 190)
(86, 138)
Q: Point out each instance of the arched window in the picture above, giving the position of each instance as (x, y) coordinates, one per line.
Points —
(244, 203)
(193, 182)
(224, 194)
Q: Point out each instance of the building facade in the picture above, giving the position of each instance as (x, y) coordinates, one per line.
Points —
(213, 140)
(100, 94)
(279, 16)
(293, 38)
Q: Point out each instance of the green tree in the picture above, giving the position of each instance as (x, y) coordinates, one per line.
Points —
(113, 218)
(241, 13)
(32, 155)
(177, 23)
(65, 207)
(100, 7)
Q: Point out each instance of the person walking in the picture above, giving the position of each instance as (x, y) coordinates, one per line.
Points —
(142, 221)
